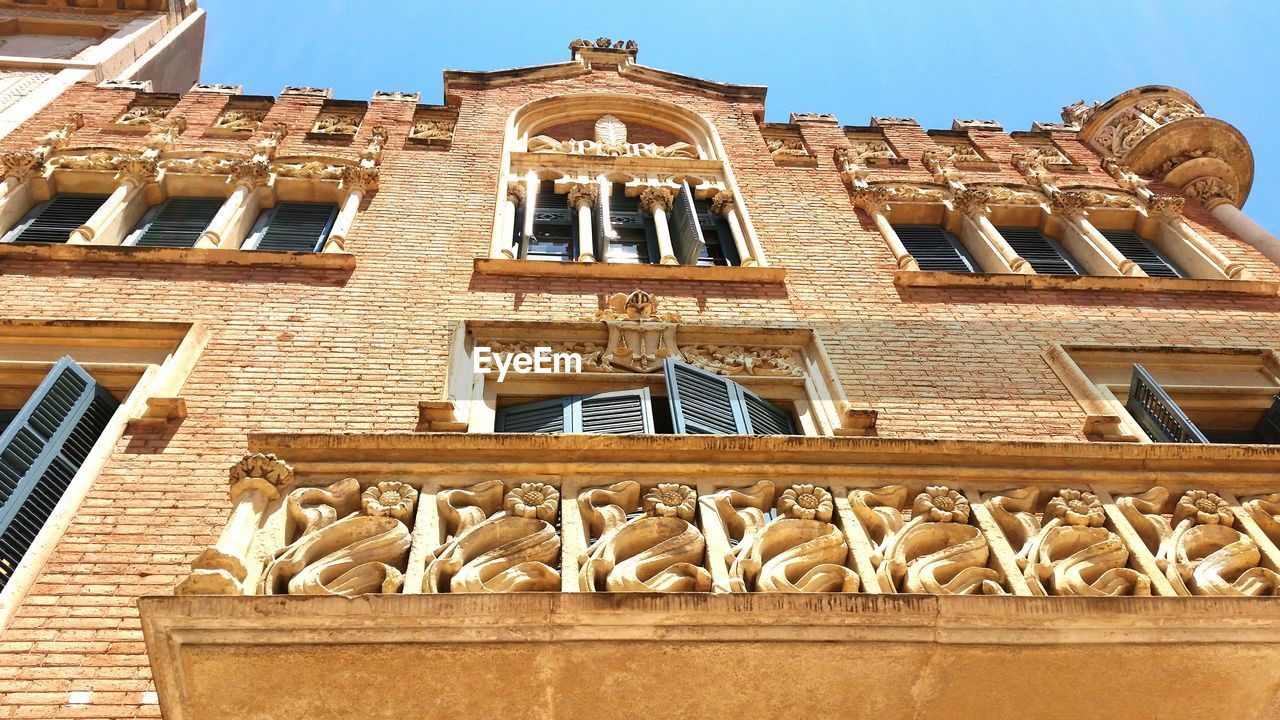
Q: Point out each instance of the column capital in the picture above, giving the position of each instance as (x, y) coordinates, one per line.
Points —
(971, 202)
(251, 173)
(1069, 203)
(1210, 192)
(872, 200)
(137, 170)
(22, 164)
(583, 194)
(516, 193)
(359, 179)
(723, 202)
(260, 471)
(653, 198)
(1166, 206)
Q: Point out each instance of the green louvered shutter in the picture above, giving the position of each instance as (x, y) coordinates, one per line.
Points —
(1142, 253)
(1157, 413)
(763, 417)
(544, 416)
(626, 412)
(297, 227)
(54, 220)
(42, 449)
(1044, 253)
(176, 222)
(935, 249)
(686, 231)
(702, 403)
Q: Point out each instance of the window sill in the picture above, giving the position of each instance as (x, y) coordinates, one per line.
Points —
(177, 256)
(536, 268)
(925, 278)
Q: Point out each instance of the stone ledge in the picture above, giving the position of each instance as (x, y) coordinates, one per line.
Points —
(177, 256)
(1017, 281)
(553, 655)
(696, 273)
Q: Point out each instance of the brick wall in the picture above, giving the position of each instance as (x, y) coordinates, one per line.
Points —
(321, 351)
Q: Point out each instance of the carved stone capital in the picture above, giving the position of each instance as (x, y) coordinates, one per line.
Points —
(1166, 206)
(260, 471)
(872, 199)
(1069, 203)
(21, 164)
(253, 173)
(654, 198)
(1210, 191)
(516, 193)
(583, 194)
(137, 170)
(722, 203)
(359, 178)
(971, 202)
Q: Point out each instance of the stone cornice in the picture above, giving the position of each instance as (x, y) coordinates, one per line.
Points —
(457, 79)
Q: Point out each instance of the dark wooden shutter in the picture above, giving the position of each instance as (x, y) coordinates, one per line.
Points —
(177, 222)
(626, 412)
(1157, 413)
(935, 249)
(298, 227)
(555, 229)
(703, 403)
(1044, 253)
(1268, 427)
(686, 231)
(544, 416)
(42, 449)
(54, 220)
(1142, 253)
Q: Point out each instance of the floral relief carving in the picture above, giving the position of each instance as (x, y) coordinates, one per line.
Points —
(937, 551)
(432, 130)
(788, 547)
(497, 541)
(1195, 541)
(1066, 550)
(240, 120)
(90, 159)
(1265, 511)
(1006, 195)
(658, 549)
(1210, 190)
(740, 360)
(335, 123)
(611, 141)
(959, 152)
(1161, 206)
(22, 164)
(207, 164)
(1123, 132)
(340, 541)
(784, 147)
(310, 169)
(144, 115)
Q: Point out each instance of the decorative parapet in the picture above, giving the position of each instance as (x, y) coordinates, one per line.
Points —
(786, 145)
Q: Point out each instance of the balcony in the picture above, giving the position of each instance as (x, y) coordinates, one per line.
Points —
(553, 576)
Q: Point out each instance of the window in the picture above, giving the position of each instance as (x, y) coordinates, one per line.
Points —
(1042, 252)
(42, 447)
(293, 227)
(1164, 420)
(54, 220)
(935, 249)
(696, 403)
(717, 239)
(176, 223)
(555, 230)
(1142, 253)
(628, 235)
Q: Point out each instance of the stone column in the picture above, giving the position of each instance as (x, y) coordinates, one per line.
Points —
(502, 245)
(726, 205)
(133, 176)
(1070, 206)
(246, 177)
(356, 181)
(221, 569)
(657, 202)
(1167, 209)
(973, 205)
(874, 201)
(582, 197)
(1219, 199)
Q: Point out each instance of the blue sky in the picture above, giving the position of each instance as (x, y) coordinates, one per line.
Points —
(934, 61)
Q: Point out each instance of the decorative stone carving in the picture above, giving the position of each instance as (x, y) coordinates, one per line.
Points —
(497, 542)
(653, 198)
(1166, 110)
(1194, 541)
(813, 117)
(605, 43)
(971, 201)
(639, 339)
(221, 569)
(240, 119)
(89, 159)
(1034, 166)
(1209, 191)
(1185, 156)
(983, 125)
(208, 164)
(1010, 195)
(787, 146)
(1050, 152)
(583, 194)
(794, 548)
(872, 199)
(936, 552)
(22, 165)
(307, 90)
(1125, 177)
(337, 123)
(359, 178)
(144, 115)
(516, 193)
(659, 550)
(340, 541)
(739, 360)
(911, 193)
(1078, 112)
(311, 169)
(254, 173)
(959, 151)
(137, 170)
(722, 203)
(937, 162)
(611, 140)
(432, 130)
(1265, 511)
(1161, 206)
(396, 95)
(266, 147)
(1066, 549)
(1070, 202)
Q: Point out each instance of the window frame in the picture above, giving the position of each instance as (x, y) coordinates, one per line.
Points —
(253, 238)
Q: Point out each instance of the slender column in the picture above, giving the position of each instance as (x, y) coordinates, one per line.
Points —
(1247, 230)
(973, 204)
(657, 202)
(874, 201)
(726, 205)
(356, 181)
(134, 175)
(502, 245)
(246, 178)
(1167, 209)
(582, 197)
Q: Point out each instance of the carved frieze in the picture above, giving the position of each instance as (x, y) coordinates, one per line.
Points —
(143, 116)
(22, 164)
(498, 540)
(240, 119)
(658, 549)
(89, 159)
(427, 130)
(310, 169)
(337, 123)
(739, 360)
(208, 164)
(611, 141)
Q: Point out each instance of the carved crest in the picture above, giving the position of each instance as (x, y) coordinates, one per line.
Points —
(639, 338)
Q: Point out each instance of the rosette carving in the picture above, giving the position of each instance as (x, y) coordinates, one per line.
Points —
(790, 546)
(343, 542)
(1195, 542)
(1066, 550)
(936, 552)
(497, 542)
(655, 550)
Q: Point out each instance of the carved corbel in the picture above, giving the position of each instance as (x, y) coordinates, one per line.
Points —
(872, 200)
(1069, 203)
(22, 165)
(265, 148)
(137, 171)
(658, 551)
(256, 480)
(359, 179)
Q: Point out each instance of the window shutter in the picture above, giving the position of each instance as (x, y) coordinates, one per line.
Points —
(686, 231)
(763, 417)
(297, 227)
(54, 220)
(1142, 253)
(935, 249)
(545, 416)
(1044, 253)
(1268, 427)
(613, 413)
(1157, 413)
(176, 222)
(41, 450)
(702, 403)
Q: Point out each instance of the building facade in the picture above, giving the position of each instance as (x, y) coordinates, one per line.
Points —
(837, 419)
